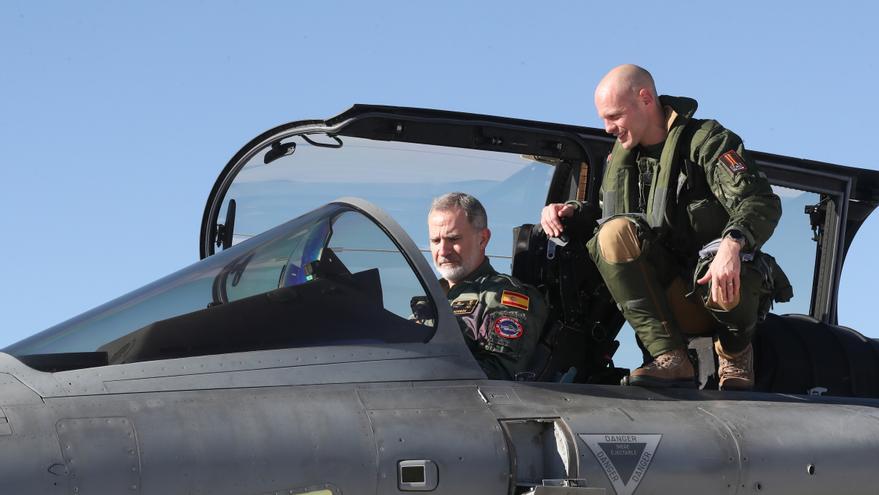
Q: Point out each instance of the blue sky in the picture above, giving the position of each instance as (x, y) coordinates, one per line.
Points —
(116, 117)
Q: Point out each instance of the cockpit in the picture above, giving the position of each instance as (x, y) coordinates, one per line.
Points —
(288, 264)
(312, 281)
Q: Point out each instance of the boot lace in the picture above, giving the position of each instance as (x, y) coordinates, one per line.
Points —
(665, 361)
(739, 366)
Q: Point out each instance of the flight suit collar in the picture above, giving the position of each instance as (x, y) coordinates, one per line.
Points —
(678, 110)
(680, 106)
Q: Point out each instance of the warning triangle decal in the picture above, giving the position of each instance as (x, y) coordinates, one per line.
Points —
(625, 457)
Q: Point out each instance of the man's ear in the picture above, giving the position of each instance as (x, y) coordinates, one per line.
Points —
(645, 97)
(484, 237)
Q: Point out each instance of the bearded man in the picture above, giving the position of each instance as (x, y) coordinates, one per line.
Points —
(501, 318)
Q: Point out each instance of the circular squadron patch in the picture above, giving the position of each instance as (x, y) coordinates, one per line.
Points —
(508, 328)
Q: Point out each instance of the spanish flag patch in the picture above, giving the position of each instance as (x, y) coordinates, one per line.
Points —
(515, 300)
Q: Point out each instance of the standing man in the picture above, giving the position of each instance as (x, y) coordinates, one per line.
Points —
(501, 317)
(685, 211)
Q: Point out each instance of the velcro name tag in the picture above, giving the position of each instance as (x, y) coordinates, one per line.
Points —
(464, 307)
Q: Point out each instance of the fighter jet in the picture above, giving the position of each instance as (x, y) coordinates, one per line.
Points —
(312, 351)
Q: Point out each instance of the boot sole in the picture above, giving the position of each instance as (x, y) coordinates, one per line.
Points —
(650, 382)
(734, 388)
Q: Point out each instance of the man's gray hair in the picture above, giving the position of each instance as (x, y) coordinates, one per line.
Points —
(471, 206)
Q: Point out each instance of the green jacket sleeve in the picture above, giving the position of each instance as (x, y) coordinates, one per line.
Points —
(739, 185)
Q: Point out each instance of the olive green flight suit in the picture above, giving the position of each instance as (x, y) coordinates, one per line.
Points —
(501, 319)
(695, 187)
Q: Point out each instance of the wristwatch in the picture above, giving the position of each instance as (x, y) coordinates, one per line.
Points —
(737, 236)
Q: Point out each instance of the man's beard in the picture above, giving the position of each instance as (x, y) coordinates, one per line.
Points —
(453, 273)
(458, 267)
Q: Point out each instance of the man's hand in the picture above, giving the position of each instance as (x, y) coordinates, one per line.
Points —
(550, 218)
(724, 274)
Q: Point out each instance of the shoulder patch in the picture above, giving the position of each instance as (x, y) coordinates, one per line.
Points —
(508, 328)
(464, 307)
(734, 162)
(515, 300)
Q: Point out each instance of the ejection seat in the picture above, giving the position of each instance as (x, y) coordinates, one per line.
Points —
(578, 340)
(799, 354)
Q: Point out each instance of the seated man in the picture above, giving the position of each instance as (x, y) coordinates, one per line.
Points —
(501, 317)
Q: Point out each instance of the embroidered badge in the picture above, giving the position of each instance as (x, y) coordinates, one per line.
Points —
(508, 328)
(515, 300)
(464, 307)
(734, 162)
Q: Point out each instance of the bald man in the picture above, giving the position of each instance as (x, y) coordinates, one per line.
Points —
(685, 211)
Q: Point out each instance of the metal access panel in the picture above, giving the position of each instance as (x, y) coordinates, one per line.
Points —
(449, 431)
(101, 455)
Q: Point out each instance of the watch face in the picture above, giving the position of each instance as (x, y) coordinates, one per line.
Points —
(737, 237)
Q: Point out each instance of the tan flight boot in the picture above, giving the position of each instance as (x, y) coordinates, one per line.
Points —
(736, 371)
(672, 369)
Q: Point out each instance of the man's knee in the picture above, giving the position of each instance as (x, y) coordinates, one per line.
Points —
(618, 241)
(743, 310)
